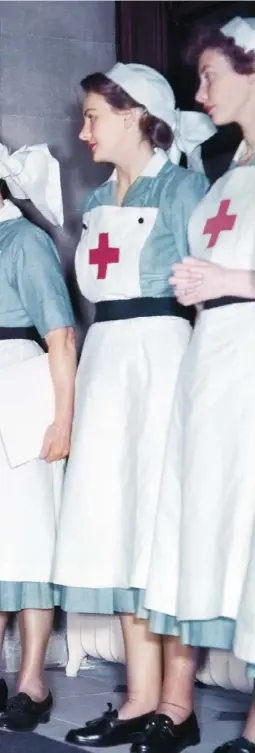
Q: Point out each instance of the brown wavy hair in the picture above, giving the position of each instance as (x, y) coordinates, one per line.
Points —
(212, 38)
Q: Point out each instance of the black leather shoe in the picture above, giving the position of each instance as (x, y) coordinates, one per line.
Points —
(161, 735)
(240, 745)
(23, 714)
(108, 730)
(3, 695)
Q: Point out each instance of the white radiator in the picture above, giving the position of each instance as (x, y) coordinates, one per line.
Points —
(101, 636)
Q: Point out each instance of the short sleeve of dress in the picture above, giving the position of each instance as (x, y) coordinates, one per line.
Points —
(190, 191)
(38, 277)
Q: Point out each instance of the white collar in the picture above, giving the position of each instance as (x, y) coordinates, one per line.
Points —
(240, 153)
(9, 211)
(156, 162)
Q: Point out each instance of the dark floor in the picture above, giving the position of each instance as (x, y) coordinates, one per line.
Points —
(220, 712)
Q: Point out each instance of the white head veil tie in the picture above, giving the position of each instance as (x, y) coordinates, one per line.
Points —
(190, 130)
(32, 173)
(151, 90)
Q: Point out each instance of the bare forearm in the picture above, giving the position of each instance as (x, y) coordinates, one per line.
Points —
(197, 280)
(63, 363)
(239, 283)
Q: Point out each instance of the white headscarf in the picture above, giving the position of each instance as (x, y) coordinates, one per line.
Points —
(243, 32)
(32, 173)
(150, 89)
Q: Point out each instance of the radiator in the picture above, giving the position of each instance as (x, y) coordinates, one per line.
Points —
(101, 636)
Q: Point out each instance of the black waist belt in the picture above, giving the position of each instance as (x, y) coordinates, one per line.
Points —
(20, 333)
(225, 301)
(107, 311)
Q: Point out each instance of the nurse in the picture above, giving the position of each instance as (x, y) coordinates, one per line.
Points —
(201, 584)
(34, 307)
(134, 229)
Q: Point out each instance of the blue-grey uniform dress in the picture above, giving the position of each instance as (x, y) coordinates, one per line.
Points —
(209, 602)
(125, 387)
(32, 293)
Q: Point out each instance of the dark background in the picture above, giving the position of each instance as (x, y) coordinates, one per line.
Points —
(154, 33)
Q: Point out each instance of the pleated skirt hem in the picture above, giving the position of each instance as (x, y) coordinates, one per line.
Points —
(15, 596)
(103, 600)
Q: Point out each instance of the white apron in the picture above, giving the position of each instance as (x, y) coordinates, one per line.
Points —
(207, 498)
(29, 500)
(125, 386)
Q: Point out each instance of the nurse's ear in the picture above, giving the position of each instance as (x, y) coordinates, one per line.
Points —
(132, 116)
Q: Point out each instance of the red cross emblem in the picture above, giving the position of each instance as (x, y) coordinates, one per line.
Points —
(222, 221)
(103, 255)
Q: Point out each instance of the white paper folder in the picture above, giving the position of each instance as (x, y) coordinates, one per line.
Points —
(27, 407)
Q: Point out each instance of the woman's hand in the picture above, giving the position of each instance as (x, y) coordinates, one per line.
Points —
(56, 443)
(195, 281)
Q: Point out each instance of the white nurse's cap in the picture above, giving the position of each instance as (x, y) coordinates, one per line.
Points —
(147, 87)
(243, 32)
(151, 90)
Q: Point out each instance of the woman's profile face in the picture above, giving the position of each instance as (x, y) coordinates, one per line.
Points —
(103, 128)
(223, 93)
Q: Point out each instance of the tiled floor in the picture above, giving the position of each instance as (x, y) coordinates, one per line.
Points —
(220, 712)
